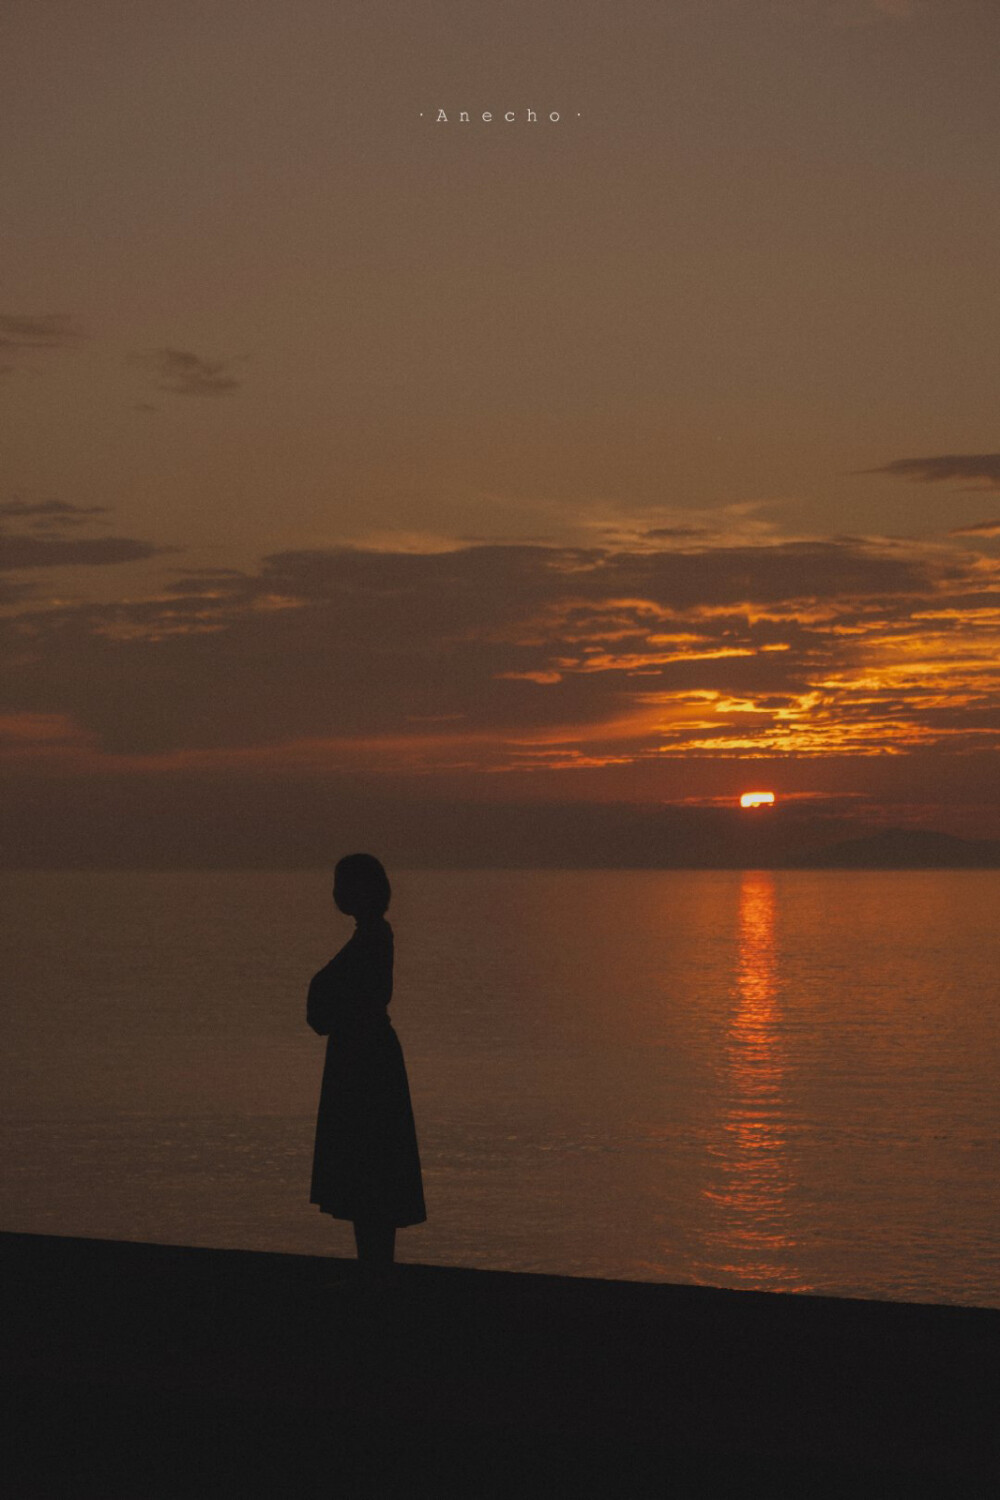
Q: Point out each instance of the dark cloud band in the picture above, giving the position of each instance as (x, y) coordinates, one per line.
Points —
(38, 331)
(57, 552)
(937, 470)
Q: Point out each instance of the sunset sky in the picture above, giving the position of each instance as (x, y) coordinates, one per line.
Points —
(644, 456)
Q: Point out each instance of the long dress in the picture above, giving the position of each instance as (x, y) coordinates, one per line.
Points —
(366, 1164)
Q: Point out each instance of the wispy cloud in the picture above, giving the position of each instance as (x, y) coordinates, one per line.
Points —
(945, 466)
(20, 331)
(979, 528)
(49, 515)
(183, 373)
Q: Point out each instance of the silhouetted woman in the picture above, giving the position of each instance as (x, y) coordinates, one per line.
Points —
(366, 1166)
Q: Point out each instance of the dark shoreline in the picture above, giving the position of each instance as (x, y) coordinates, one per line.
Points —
(157, 1371)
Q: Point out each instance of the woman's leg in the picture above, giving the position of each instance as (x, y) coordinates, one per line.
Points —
(376, 1243)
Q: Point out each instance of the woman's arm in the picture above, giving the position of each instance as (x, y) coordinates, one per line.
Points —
(321, 1002)
(350, 995)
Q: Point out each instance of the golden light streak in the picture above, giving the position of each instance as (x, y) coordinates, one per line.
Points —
(604, 661)
(752, 1239)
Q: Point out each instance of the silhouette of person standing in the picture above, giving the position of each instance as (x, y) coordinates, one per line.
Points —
(366, 1165)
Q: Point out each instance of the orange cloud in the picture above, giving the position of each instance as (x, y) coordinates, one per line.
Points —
(491, 658)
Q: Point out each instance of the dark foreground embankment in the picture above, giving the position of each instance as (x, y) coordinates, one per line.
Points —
(149, 1371)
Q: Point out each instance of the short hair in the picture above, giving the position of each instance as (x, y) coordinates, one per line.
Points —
(361, 886)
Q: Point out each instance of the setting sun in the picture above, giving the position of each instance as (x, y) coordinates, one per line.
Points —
(757, 799)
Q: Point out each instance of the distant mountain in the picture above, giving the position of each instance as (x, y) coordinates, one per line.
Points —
(902, 849)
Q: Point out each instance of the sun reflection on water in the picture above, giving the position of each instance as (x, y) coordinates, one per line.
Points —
(750, 1239)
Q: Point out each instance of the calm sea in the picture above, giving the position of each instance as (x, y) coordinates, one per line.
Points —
(780, 1080)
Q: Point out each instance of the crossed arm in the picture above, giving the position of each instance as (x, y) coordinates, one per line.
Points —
(351, 995)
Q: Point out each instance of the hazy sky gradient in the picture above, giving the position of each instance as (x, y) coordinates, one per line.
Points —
(661, 438)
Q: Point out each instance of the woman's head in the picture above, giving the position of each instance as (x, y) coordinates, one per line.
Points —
(361, 886)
